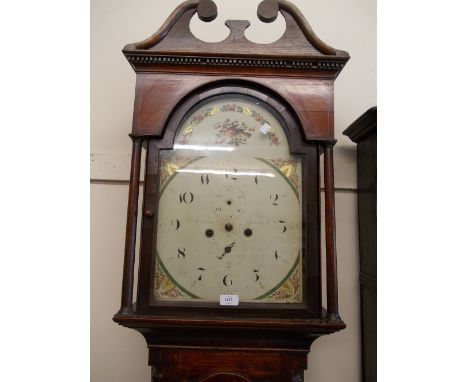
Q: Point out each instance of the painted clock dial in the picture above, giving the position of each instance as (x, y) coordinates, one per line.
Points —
(230, 207)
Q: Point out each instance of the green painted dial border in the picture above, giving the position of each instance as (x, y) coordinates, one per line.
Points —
(296, 192)
(288, 275)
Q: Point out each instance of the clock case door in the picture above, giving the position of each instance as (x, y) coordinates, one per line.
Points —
(311, 306)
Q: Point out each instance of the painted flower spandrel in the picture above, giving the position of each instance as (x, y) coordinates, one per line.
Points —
(232, 132)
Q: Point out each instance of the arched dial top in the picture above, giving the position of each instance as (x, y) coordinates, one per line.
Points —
(230, 207)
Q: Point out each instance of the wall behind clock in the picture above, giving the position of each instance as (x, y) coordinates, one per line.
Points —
(119, 354)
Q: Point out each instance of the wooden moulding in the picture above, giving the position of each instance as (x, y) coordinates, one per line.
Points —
(299, 52)
(157, 95)
(362, 127)
(316, 326)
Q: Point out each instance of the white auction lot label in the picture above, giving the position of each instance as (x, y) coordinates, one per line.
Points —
(229, 299)
(266, 128)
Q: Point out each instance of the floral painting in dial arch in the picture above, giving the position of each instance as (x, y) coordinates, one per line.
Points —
(232, 133)
(229, 131)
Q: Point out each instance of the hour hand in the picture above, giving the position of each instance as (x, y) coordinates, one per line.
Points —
(227, 250)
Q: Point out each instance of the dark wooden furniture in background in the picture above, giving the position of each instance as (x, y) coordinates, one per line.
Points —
(363, 131)
(294, 75)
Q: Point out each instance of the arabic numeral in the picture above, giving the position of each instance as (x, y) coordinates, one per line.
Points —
(186, 197)
(205, 179)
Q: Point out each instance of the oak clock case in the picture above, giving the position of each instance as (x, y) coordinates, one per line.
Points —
(234, 132)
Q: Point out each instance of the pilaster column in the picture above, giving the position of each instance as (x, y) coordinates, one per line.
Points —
(130, 234)
(330, 232)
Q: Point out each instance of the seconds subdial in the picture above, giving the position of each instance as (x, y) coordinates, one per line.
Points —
(229, 203)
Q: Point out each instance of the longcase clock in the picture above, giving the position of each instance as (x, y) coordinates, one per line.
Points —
(230, 275)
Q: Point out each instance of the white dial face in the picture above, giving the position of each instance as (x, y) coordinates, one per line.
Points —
(230, 208)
